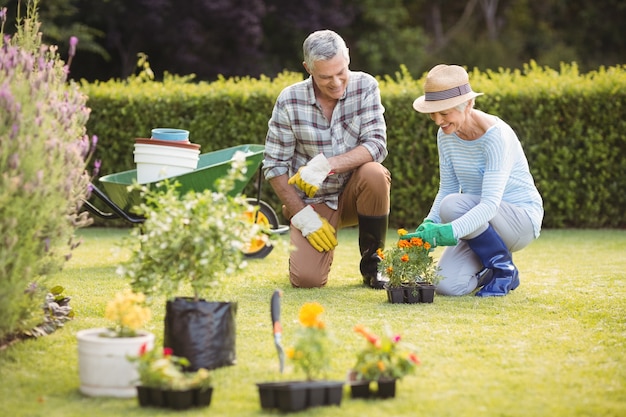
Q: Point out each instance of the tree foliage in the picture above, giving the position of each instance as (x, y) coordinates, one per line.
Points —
(253, 37)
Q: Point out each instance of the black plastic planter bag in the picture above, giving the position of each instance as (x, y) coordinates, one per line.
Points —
(201, 331)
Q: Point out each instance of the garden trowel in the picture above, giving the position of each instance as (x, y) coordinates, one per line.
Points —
(278, 329)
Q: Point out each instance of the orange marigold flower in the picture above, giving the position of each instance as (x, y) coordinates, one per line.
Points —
(309, 314)
(389, 270)
(426, 245)
(402, 243)
(416, 241)
(380, 253)
(405, 258)
(381, 366)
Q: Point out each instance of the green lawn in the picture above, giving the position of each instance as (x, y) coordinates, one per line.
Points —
(556, 346)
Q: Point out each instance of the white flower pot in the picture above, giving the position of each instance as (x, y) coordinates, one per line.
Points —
(160, 159)
(103, 364)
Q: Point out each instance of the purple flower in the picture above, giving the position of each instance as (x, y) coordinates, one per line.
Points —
(73, 43)
(96, 167)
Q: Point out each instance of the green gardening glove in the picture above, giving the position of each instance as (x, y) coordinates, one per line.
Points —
(420, 228)
(438, 234)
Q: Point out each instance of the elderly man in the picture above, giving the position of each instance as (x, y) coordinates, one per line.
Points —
(323, 153)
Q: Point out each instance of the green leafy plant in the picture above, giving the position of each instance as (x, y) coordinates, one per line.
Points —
(311, 349)
(57, 312)
(128, 313)
(383, 357)
(194, 238)
(408, 262)
(161, 369)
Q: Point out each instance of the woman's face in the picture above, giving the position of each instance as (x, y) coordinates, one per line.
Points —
(330, 77)
(450, 121)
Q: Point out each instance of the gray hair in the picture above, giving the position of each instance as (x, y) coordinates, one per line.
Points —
(461, 107)
(323, 45)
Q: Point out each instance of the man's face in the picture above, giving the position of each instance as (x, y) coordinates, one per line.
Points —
(330, 77)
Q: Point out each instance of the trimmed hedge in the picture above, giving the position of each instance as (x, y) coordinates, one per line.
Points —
(570, 124)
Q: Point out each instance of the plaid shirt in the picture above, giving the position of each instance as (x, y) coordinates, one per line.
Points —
(298, 131)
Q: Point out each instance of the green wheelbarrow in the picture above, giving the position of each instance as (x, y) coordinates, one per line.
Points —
(117, 197)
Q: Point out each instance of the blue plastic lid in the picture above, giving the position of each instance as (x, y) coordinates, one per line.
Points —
(165, 133)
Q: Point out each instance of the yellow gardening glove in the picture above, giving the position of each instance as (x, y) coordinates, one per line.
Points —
(317, 230)
(312, 175)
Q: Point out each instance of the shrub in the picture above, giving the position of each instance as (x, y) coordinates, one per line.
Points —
(43, 151)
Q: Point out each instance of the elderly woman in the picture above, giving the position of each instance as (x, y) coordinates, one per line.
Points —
(487, 205)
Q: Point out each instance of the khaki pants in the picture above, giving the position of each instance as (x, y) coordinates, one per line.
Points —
(366, 194)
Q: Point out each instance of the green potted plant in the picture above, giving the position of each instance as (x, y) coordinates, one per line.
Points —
(383, 361)
(164, 381)
(190, 242)
(104, 369)
(309, 355)
(410, 269)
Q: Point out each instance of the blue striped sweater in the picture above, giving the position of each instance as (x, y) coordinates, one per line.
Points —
(493, 167)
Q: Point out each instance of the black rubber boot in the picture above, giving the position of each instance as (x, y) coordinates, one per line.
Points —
(372, 233)
(494, 255)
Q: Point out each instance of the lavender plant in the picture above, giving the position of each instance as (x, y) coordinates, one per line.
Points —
(44, 151)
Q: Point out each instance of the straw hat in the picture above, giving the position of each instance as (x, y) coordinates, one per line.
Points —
(446, 86)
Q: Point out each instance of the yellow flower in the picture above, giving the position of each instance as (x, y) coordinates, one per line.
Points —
(311, 348)
(128, 311)
(402, 232)
(309, 315)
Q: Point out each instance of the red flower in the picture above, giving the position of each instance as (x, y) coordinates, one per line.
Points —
(168, 351)
(413, 358)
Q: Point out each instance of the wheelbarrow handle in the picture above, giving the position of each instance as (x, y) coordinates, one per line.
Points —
(117, 211)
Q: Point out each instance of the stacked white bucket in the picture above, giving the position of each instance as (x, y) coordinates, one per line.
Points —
(168, 153)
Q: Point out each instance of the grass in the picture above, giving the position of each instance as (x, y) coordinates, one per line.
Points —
(554, 347)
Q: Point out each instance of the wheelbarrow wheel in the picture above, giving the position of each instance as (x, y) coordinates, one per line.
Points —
(265, 215)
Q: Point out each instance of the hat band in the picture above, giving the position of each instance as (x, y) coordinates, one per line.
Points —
(450, 93)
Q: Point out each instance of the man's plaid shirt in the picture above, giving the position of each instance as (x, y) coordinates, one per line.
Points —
(298, 131)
